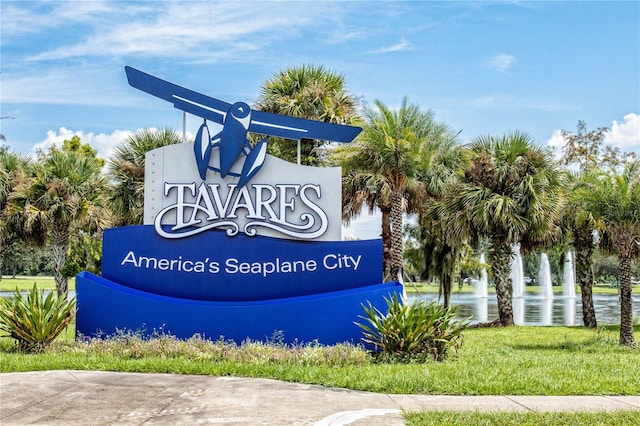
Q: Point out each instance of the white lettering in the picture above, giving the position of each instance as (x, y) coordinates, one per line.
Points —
(289, 209)
(164, 264)
(276, 266)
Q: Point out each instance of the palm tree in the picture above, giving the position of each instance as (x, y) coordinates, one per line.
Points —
(310, 92)
(384, 165)
(442, 258)
(510, 193)
(63, 188)
(126, 170)
(580, 226)
(363, 189)
(12, 167)
(614, 200)
(583, 150)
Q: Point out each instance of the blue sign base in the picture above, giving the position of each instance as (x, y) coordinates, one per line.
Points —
(106, 307)
(216, 267)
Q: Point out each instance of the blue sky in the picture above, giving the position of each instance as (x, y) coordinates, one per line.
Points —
(482, 67)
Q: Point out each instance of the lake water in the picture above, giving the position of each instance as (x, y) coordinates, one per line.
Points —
(536, 310)
(527, 310)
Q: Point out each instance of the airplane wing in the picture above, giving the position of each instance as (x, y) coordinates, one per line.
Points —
(287, 127)
(265, 123)
(182, 98)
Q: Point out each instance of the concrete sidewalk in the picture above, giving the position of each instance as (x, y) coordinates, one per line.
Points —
(107, 398)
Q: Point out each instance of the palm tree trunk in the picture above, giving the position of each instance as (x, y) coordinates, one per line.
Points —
(583, 244)
(500, 260)
(626, 313)
(386, 242)
(445, 288)
(1, 254)
(59, 244)
(395, 268)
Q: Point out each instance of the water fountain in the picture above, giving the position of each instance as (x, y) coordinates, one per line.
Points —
(569, 311)
(568, 276)
(546, 311)
(481, 285)
(517, 285)
(517, 304)
(544, 277)
(517, 272)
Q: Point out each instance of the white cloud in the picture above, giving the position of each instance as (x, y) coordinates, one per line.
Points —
(403, 44)
(103, 143)
(625, 135)
(501, 62)
(185, 29)
(67, 86)
(555, 144)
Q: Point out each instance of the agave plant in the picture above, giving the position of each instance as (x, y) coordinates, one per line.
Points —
(411, 332)
(35, 320)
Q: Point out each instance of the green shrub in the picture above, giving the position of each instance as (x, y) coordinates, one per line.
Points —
(35, 321)
(129, 345)
(411, 332)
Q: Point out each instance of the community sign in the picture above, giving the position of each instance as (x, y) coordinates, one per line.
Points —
(236, 244)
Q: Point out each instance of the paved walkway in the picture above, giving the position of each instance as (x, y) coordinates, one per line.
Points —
(107, 398)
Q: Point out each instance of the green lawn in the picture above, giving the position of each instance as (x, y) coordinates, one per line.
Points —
(492, 361)
(9, 283)
(451, 418)
(495, 361)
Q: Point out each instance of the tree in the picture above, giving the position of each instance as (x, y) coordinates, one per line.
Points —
(12, 168)
(443, 258)
(580, 224)
(75, 145)
(584, 150)
(383, 167)
(360, 189)
(310, 92)
(126, 171)
(509, 193)
(63, 188)
(613, 199)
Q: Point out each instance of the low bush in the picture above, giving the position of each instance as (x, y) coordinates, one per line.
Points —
(134, 345)
(35, 321)
(411, 332)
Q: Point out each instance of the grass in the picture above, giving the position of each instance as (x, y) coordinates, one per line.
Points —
(437, 418)
(492, 361)
(497, 361)
(25, 283)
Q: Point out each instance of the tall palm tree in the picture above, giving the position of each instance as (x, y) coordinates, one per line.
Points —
(584, 151)
(126, 171)
(442, 257)
(63, 188)
(12, 168)
(580, 226)
(388, 158)
(310, 92)
(363, 189)
(614, 200)
(510, 193)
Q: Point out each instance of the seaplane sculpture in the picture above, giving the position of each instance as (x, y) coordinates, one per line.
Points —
(237, 120)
